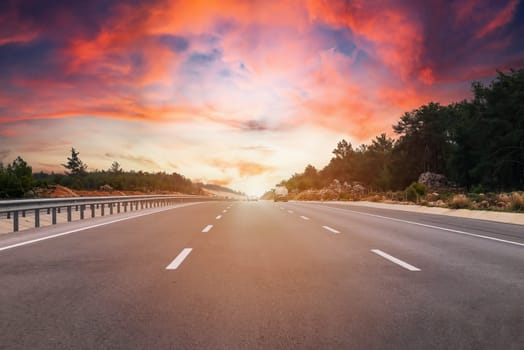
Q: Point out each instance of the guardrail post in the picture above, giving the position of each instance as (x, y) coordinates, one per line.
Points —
(118, 207)
(23, 213)
(15, 221)
(131, 206)
(37, 217)
(110, 208)
(69, 210)
(102, 210)
(125, 207)
(92, 210)
(53, 217)
(82, 208)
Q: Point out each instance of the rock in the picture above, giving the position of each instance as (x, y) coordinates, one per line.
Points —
(106, 188)
(358, 188)
(335, 186)
(483, 205)
(440, 203)
(433, 196)
(433, 180)
(327, 194)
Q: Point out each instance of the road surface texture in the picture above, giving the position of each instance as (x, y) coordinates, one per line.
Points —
(263, 275)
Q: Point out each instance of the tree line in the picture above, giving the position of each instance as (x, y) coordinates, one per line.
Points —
(17, 179)
(478, 144)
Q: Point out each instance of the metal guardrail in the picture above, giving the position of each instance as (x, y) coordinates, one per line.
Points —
(13, 209)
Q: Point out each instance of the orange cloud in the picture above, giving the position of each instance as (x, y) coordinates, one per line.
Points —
(394, 35)
(220, 182)
(244, 168)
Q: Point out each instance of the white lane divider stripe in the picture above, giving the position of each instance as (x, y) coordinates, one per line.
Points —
(207, 228)
(395, 260)
(224, 211)
(179, 259)
(330, 229)
(290, 211)
(304, 217)
(218, 217)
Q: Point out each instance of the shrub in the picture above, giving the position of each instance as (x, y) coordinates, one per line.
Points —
(477, 189)
(517, 201)
(459, 201)
(415, 191)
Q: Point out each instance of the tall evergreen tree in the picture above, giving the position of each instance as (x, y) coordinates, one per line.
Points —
(74, 166)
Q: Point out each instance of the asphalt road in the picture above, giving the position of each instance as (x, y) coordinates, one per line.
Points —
(265, 276)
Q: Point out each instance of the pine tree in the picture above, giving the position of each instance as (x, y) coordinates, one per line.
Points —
(74, 166)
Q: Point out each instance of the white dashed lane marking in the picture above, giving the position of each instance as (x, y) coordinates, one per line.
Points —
(330, 229)
(395, 260)
(179, 259)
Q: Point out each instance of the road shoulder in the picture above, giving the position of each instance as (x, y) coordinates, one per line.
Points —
(508, 218)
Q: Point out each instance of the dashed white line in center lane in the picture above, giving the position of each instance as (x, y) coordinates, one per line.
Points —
(290, 211)
(304, 217)
(179, 259)
(395, 260)
(224, 211)
(207, 228)
(330, 229)
(218, 217)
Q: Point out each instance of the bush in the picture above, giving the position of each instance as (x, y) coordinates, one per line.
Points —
(15, 179)
(477, 189)
(517, 201)
(459, 201)
(415, 191)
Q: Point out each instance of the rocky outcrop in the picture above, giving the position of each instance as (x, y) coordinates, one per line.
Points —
(433, 181)
(106, 188)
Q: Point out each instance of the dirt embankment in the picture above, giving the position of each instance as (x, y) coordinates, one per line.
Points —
(59, 191)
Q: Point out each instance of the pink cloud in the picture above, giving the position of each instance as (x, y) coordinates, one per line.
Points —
(503, 17)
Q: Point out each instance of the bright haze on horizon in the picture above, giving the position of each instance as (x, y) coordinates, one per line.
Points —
(236, 93)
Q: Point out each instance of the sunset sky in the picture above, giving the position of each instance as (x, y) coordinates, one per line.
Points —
(237, 93)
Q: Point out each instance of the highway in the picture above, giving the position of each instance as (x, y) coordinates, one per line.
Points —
(264, 275)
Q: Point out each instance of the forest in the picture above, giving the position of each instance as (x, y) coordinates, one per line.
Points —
(478, 144)
(17, 179)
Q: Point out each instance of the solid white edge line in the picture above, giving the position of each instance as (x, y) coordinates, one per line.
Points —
(179, 259)
(304, 217)
(218, 217)
(330, 229)
(395, 260)
(428, 226)
(87, 228)
(207, 228)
